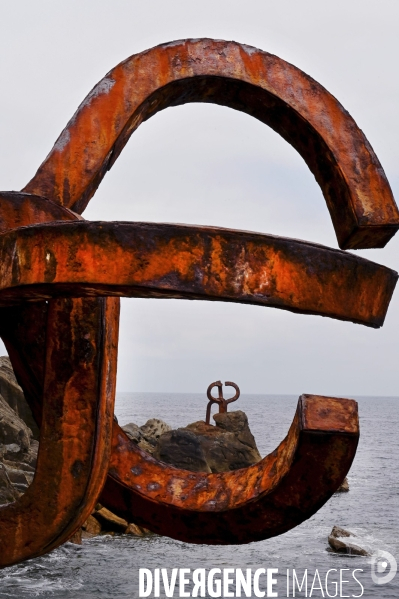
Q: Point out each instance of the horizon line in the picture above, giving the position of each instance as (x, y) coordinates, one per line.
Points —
(267, 394)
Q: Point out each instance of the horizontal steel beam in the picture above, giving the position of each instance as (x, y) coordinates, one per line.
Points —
(191, 262)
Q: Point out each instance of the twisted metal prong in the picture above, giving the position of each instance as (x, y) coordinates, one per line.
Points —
(219, 400)
(237, 393)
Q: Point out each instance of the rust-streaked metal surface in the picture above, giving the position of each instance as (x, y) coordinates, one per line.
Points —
(64, 350)
(22, 209)
(23, 327)
(189, 262)
(356, 190)
(78, 403)
(266, 499)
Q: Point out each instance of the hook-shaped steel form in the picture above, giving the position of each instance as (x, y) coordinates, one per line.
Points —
(220, 400)
(77, 416)
(43, 257)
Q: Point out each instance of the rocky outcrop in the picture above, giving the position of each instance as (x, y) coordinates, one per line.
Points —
(15, 436)
(136, 531)
(202, 447)
(109, 521)
(133, 432)
(76, 538)
(12, 394)
(18, 448)
(102, 521)
(344, 486)
(147, 435)
(92, 527)
(341, 541)
(183, 448)
(7, 491)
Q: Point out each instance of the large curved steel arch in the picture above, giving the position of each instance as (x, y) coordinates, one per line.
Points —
(356, 190)
(292, 483)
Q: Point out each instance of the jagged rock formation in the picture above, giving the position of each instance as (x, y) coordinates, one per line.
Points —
(199, 447)
(147, 435)
(18, 448)
(12, 393)
(102, 521)
(202, 447)
(340, 540)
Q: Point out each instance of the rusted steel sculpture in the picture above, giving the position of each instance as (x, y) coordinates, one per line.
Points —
(220, 400)
(61, 278)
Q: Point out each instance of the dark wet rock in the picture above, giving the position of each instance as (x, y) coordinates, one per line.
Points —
(346, 547)
(13, 395)
(18, 449)
(337, 531)
(15, 471)
(340, 540)
(182, 448)
(202, 447)
(21, 465)
(15, 436)
(30, 458)
(19, 477)
(7, 491)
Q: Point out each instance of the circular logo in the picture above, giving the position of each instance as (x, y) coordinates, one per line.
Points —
(383, 567)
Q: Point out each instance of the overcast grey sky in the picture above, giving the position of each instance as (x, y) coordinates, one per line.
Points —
(210, 165)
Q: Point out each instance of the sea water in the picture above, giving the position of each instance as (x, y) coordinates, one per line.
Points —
(107, 567)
